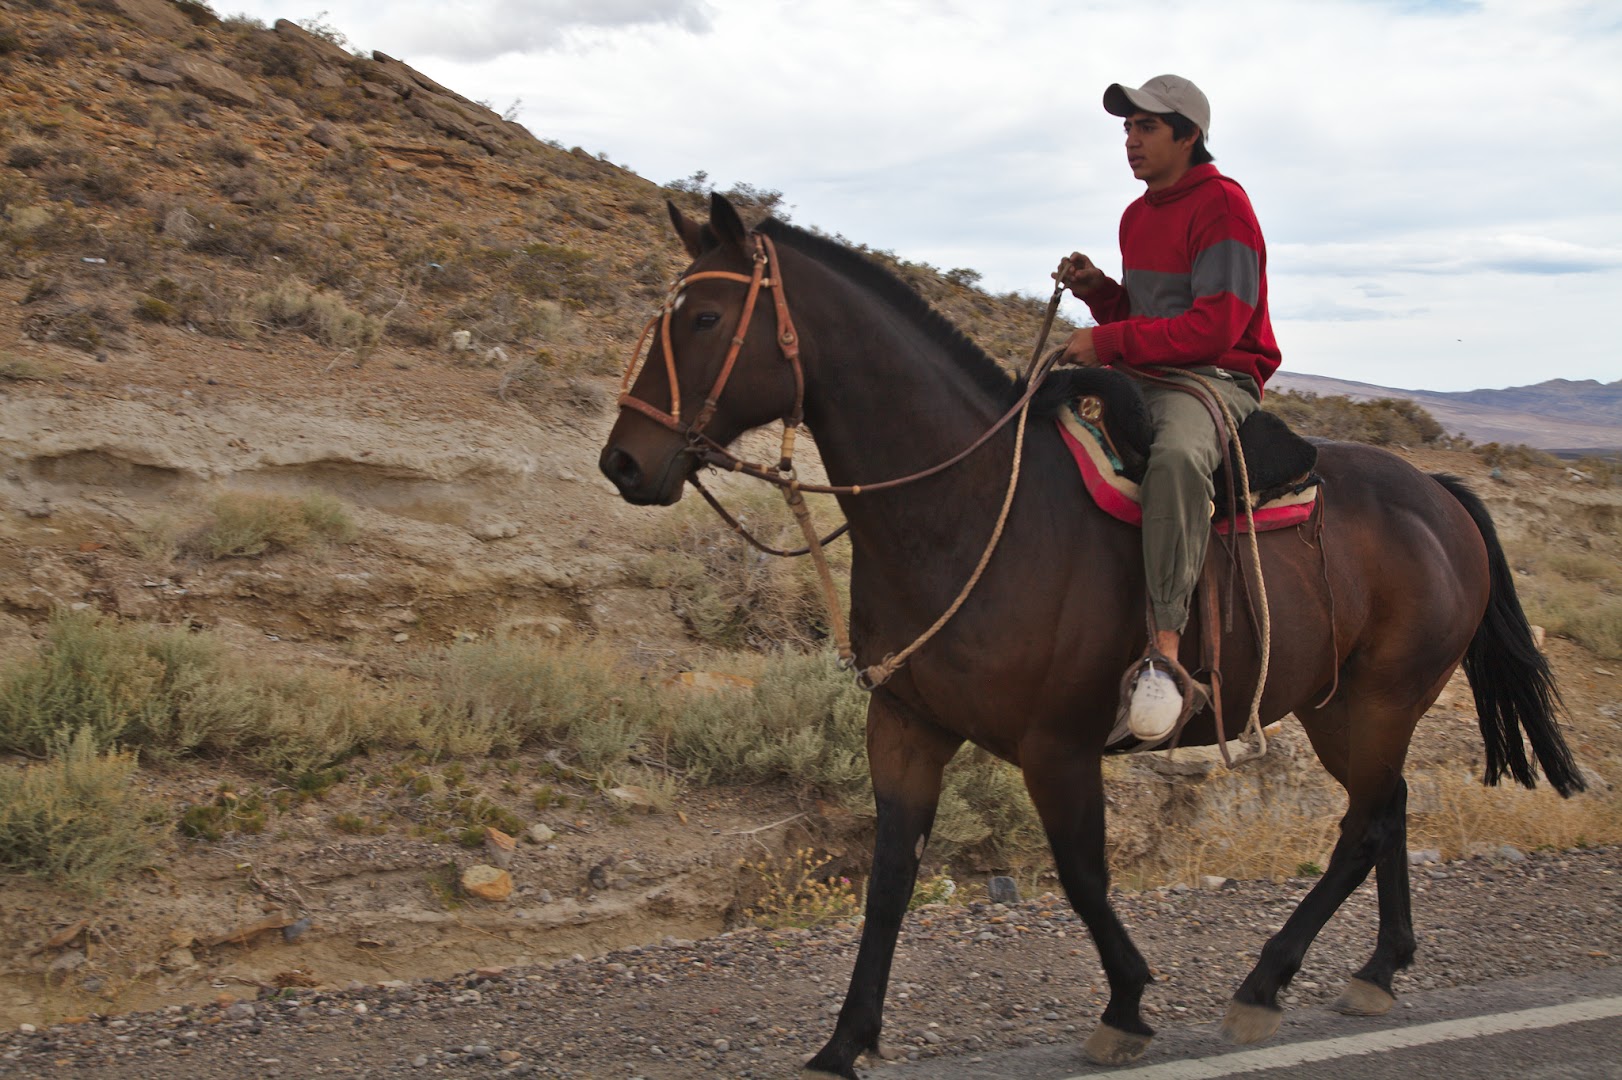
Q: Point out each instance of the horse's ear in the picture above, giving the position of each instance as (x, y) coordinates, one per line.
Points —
(725, 221)
(692, 233)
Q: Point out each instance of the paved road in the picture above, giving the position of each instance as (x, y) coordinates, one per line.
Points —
(1552, 1027)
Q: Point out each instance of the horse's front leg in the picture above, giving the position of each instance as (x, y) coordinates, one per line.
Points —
(906, 755)
(1066, 783)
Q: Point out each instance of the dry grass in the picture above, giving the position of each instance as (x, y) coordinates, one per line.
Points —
(77, 819)
(733, 596)
(793, 891)
(1574, 592)
(247, 524)
(322, 315)
(1455, 814)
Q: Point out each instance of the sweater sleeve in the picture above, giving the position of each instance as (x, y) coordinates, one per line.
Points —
(1224, 282)
(1109, 302)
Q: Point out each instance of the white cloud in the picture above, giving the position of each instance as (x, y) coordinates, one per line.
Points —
(1420, 164)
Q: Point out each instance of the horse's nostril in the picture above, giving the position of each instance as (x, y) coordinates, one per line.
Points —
(620, 468)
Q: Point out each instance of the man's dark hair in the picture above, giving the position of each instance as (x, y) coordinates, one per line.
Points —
(1181, 128)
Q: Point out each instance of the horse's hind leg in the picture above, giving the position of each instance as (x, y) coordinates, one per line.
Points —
(1372, 743)
(1369, 992)
(1068, 789)
(906, 756)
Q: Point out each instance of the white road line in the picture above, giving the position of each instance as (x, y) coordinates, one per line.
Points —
(1374, 1042)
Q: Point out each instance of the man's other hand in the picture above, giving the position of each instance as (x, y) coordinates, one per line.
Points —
(1079, 349)
(1078, 274)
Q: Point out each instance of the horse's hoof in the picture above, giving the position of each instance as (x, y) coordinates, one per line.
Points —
(1251, 1023)
(1363, 998)
(1112, 1046)
(807, 1072)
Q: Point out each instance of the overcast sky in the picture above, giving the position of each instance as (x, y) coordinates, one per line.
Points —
(1439, 181)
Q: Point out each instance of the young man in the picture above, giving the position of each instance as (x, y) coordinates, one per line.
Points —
(1192, 301)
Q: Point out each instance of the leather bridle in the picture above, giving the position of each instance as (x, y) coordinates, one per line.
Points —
(765, 275)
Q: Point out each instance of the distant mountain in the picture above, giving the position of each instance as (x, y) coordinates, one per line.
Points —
(1560, 414)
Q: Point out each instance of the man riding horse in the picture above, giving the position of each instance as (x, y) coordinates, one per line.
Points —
(1191, 307)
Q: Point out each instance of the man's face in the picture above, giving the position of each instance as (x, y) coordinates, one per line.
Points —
(1155, 157)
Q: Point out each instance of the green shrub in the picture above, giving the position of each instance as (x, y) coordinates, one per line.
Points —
(90, 676)
(77, 819)
(804, 720)
(172, 694)
(504, 693)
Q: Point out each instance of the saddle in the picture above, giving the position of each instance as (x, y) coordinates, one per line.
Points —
(1105, 423)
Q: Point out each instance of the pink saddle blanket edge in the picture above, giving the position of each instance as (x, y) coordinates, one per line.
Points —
(1118, 497)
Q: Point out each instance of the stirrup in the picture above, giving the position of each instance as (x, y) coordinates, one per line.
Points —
(1195, 696)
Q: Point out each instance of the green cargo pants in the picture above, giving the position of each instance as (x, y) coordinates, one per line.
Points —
(1176, 489)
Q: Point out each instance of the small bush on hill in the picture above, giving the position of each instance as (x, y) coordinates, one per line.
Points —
(733, 596)
(77, 819)
(247, 524)
(323, 315)
(1383, 422)
(1515, 456)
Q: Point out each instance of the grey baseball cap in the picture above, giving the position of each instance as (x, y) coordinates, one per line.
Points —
(1161, 94)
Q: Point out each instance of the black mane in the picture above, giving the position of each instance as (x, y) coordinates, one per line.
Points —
(855, 266)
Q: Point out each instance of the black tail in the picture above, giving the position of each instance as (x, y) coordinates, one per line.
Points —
(1513, 685)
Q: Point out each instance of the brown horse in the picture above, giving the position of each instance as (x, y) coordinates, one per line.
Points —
(1369, 618)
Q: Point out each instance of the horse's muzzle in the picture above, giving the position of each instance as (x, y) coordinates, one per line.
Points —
(633, 482)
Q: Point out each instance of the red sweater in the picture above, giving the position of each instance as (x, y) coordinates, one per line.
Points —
(1194, 282)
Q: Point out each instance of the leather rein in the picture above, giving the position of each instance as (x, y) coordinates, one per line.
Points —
(766, 274)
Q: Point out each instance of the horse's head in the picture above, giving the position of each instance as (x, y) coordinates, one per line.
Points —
(717, 364)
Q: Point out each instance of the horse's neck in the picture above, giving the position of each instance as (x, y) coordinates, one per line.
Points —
(884, 399)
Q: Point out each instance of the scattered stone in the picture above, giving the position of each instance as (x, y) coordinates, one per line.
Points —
(1212, 881)
(1510, 853)
(242, 935)
(178, 960)
(240, 1011)
(68, 961)
(155, 76)
(495, 530)
(632, 795)
(1003, 890)
(215, 81)
(1422, 856)
(487, 883)
(401, 638)
(67, 934)
(327, 135)
(1538, 635)
(157, 16)
(295, 930)
(540, 834)
(499, 846)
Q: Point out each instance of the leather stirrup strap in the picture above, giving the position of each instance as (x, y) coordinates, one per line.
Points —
(1211, 649)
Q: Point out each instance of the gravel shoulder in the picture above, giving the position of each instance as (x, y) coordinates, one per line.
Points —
(756, 1003)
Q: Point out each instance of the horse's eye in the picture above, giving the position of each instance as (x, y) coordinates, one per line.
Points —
(706, 320)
